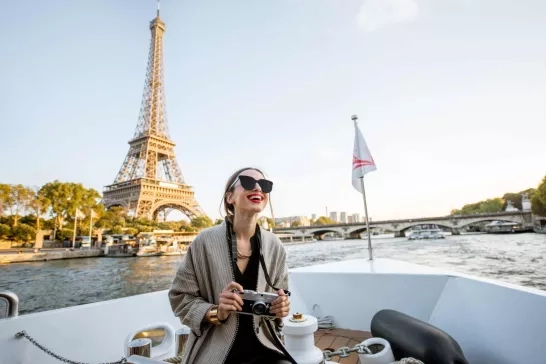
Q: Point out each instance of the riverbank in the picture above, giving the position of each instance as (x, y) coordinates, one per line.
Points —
(28, 255)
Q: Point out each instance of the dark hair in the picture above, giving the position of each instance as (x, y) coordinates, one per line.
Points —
(228, 208)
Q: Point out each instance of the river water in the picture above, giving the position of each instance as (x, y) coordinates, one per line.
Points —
(50, 285)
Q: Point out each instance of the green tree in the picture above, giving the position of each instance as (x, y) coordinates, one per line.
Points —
(131, 231)
(4, 197)
(39, 205)
(515, 198)
(57, 195)
(183, 226)
(538, 202)
(118, 229)
(24, 233)
(189, 229)
(28, 219)
(5, 231)
(490, 205)
(115, 216)
(65, 234)
(67, 197)
(201, 222)
(218, 221)
(323, 220)
(16, 199)
(295, 223)
(263, 220)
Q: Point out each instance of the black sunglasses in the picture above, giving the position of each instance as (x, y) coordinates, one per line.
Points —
(249, 183)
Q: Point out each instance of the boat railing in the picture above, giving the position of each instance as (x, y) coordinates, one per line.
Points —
(9, 304)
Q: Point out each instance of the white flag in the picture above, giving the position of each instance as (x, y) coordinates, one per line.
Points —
(79, 214)
(93, 214)
(363, 162)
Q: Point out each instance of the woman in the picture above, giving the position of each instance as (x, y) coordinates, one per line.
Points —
(222, 261)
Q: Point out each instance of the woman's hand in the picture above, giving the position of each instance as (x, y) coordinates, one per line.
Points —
(229, 301)
(281, 306)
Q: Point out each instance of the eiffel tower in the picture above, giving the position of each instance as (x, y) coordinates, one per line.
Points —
(150, 181)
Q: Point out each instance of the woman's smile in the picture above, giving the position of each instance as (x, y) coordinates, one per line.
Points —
(256, 198)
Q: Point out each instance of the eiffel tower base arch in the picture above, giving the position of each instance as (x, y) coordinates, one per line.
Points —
(165, 206)
(149, 199)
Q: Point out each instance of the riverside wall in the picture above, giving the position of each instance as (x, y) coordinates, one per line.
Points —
(29, 255)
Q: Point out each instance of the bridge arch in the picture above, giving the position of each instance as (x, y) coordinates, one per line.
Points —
(360, 230)
(166, 205)
(318, 232)
(324, 231)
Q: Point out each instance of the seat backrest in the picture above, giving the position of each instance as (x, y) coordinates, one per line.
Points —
(410, 337)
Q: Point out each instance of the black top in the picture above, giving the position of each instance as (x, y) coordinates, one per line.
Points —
(247, 346)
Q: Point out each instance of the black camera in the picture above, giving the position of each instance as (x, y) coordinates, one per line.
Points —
(257, 303)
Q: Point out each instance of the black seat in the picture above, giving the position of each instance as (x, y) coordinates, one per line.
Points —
(410, 337)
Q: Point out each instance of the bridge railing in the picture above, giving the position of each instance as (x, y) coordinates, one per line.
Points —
(419, 219)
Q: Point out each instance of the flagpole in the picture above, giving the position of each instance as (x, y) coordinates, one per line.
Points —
(91, 227)
(75, 228)
(272, 215)
(370, 250)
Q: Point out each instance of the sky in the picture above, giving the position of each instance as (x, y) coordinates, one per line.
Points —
(450, 96)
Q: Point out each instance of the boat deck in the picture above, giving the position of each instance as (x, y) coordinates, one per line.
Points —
(333, 339)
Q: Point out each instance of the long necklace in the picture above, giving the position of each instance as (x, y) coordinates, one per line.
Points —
(243, 256)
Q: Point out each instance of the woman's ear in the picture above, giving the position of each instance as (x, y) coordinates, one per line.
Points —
(229, 198)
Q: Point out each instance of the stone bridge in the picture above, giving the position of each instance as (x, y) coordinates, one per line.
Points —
(453, 222)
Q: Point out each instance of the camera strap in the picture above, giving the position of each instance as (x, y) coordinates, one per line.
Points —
(232, 242)
(278, 342)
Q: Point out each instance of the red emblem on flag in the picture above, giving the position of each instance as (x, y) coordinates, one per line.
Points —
(357, 163)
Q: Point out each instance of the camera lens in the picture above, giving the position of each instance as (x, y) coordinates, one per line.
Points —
(259, 308)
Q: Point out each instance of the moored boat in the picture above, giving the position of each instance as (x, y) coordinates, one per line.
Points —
(539, 230)
(119, 251)
(419, 234)
(540, 226)
(148, 248)
(506, 227)
(120, 248)
(174, 248)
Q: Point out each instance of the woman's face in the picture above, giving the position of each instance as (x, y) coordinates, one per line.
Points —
(249, 201)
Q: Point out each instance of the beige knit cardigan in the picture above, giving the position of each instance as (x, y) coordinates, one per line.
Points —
(201, 276)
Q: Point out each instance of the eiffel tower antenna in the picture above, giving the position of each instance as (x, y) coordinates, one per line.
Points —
(150, 180)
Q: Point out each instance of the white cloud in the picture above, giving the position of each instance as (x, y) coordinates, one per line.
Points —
(375, 14)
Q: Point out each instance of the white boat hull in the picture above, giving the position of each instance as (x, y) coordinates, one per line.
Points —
(427, 237)
(495, 323)
(540, 230)
(426, 234)
(173, 253)
(148, 254)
